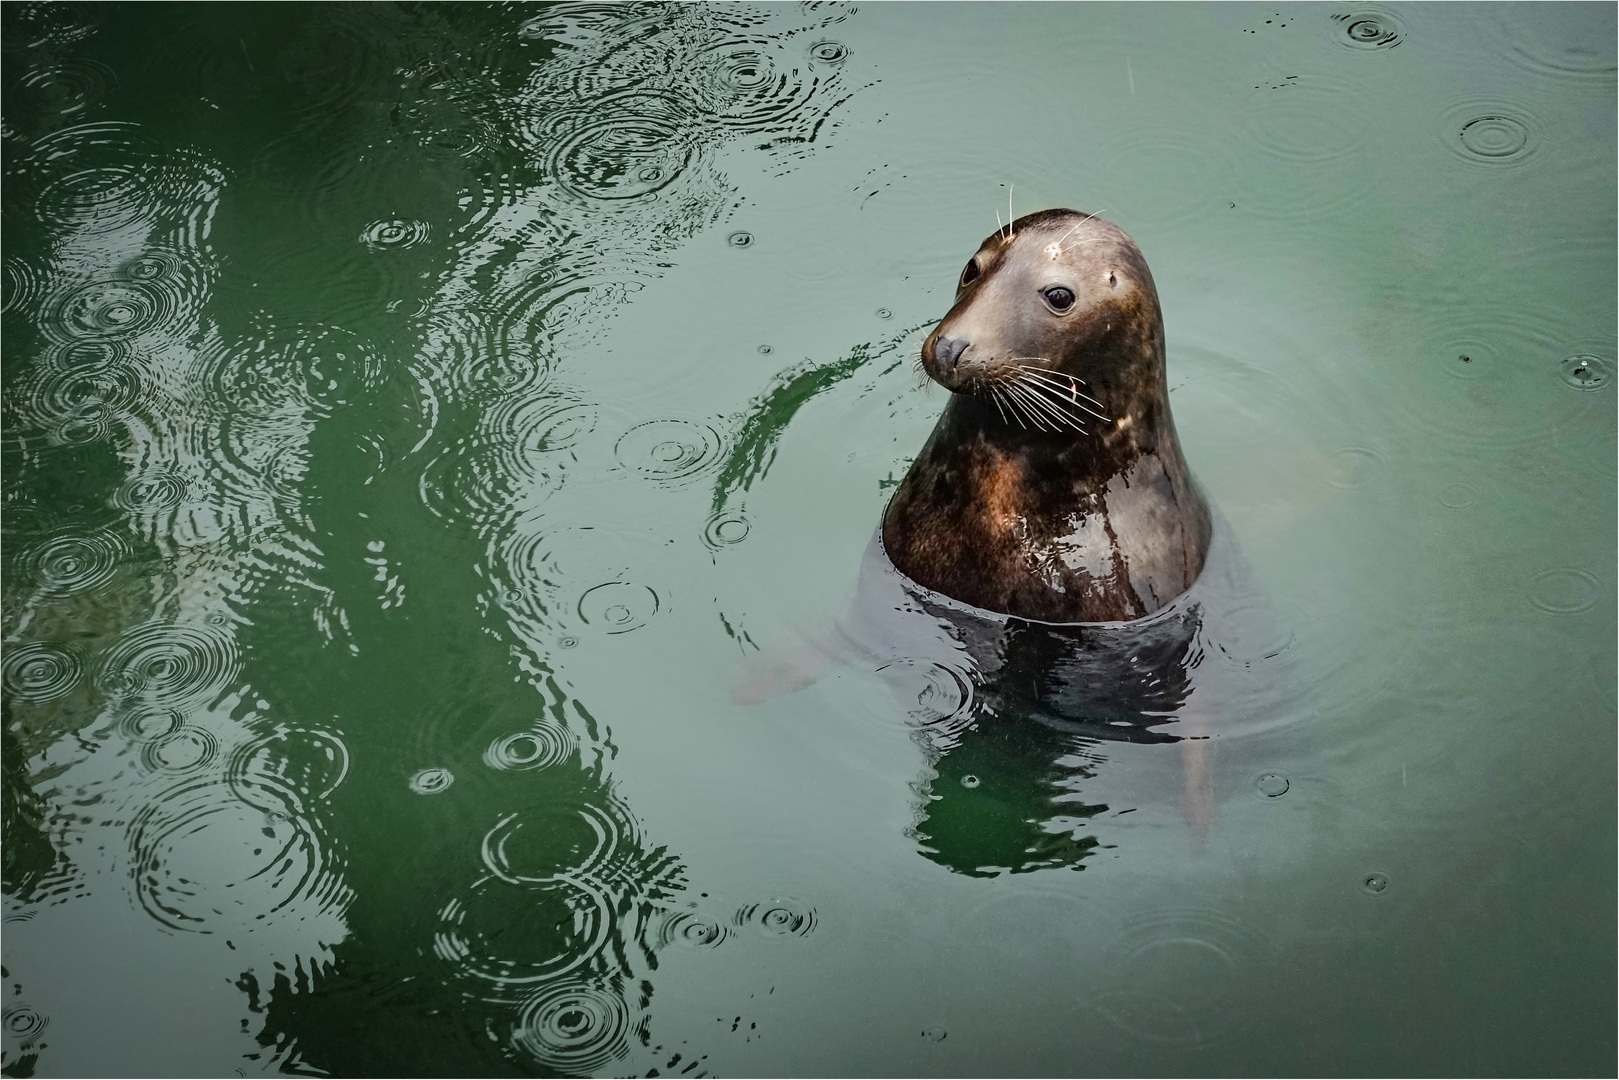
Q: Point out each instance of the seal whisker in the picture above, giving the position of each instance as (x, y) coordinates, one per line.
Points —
(1037, 416)
(919, 370)
(1015, 401)
(1071, 388)
(1070, 393)
(1044, 360)
(1077, 224)
(1013, 405)
(1073, 396)
(1044, 394)
(1049, 396)
(1027, 417)
(1059, 248)
(999, 393)
(1057, 417)
(1022, 420)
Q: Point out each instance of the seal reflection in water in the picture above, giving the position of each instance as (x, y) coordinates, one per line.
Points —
(1031, 577)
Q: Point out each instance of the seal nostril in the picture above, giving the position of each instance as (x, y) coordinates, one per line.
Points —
(946, 351)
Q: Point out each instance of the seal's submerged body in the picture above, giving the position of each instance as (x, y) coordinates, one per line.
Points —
(1053, 487)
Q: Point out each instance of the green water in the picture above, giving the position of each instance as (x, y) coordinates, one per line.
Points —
(435, 438)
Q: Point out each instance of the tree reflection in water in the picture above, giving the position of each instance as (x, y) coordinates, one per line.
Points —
(291, 292)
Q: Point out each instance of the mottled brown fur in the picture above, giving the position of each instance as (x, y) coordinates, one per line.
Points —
(1053, 525)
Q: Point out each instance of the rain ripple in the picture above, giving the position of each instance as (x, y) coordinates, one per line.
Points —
(626, 146)
(62, 89)
(45, 22)
(689, 930)
(776, 920)
(617, 607)
(296, 767)
(938, 698)
(510, 937)
(78, 402)
(431, 781)
(158, 292)
(22, 285)
(726, 529)
(41, 671)
(205, 862)
(543, 745)
(167, 663)
(1497, 407)
(24, 1025)
(754, 83)
(1489, 133)
(479, 359)
(574, 578)
(1177, 974)
(669, 451)
(828, 52)
(1368, 28)
(394, 233)
(1548, 48)
(1586, 372)
(146, 724)
(108, 177)
(184, 752)
(1565, 590)
(321, 367)
(1307, 120)
(153, 493)
(512, 459)
(547, 845)
(576, 1027)
(73, 563)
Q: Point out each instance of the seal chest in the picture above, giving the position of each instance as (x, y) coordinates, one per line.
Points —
(1053, 487)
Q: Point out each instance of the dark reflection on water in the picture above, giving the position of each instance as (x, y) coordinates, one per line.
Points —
(300, 328)
(498, 922)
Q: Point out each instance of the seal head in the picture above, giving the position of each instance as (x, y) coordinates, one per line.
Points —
(1053, 487)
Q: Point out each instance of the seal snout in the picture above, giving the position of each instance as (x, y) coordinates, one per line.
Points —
(946, 351)
(942, 358)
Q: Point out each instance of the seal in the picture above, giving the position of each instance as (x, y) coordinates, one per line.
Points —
(1053, 486)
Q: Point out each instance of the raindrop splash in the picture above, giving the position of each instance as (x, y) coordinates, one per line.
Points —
(431, 781)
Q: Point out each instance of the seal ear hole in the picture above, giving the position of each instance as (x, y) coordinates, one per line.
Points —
(969, 273)
(1112, 279)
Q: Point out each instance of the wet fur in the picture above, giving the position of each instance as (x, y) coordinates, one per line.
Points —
(1061, 524)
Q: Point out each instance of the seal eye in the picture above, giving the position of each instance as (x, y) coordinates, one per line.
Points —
(969, 274)
(1059, 298)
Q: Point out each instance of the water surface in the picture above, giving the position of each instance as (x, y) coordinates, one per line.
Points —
(438, 439)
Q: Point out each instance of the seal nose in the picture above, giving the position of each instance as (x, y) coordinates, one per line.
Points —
(946, 351)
